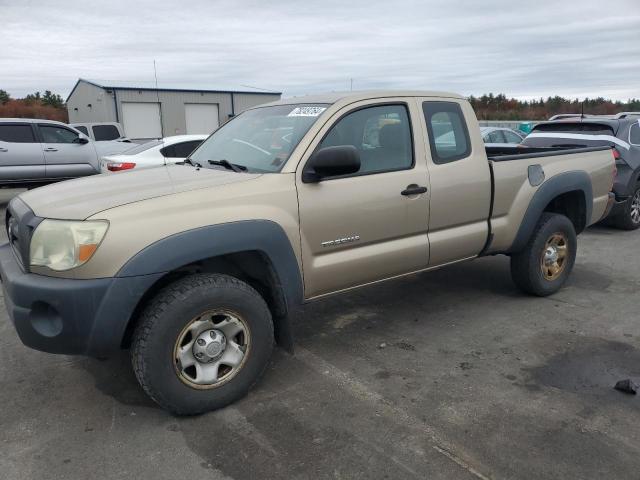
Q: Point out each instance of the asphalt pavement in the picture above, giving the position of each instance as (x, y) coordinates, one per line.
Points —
(452, 374)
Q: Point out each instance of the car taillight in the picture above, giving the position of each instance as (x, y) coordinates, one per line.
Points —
(117, 167)
(616, 154)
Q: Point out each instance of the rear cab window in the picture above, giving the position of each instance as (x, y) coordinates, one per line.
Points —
(448, 134)
(105, 132)
(17, 133)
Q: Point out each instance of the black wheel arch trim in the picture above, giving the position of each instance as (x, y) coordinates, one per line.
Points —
(184, 248)
(550, 189)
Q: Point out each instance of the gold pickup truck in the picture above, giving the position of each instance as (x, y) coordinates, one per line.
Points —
(194, 266)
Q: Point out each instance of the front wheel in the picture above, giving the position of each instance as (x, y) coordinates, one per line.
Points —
(201, 343)
(543, 266)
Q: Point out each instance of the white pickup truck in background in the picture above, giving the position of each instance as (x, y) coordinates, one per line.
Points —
(102, 131)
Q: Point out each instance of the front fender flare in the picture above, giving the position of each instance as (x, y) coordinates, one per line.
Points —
(190, 246)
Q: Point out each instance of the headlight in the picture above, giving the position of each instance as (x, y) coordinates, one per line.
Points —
(65, 244)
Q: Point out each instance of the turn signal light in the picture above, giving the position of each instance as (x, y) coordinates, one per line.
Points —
(117, 167)
(86, 251)
(616, 153)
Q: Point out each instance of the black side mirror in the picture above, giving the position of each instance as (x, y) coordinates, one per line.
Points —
(331, 162)
(81, 139)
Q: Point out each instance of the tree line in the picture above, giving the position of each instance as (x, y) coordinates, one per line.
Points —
(47, 105)
(51, 106)
(499, 107)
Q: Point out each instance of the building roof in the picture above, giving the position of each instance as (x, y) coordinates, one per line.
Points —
(150, 86)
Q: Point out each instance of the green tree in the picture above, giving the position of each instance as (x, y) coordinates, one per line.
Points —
(32, 98)
(4, 97)
(52, 99)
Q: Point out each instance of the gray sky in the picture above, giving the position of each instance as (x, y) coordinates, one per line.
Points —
(528, 48)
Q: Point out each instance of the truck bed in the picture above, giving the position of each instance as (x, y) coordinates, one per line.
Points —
(501, 154)
(513, 188)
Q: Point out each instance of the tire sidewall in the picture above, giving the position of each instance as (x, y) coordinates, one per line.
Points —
(159, 349)
(555, 224)
(630, 224)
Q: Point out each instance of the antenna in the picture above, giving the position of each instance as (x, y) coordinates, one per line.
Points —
(255, 88)
(155, 74)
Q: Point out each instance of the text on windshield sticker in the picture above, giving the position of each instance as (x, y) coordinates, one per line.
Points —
(306, 111)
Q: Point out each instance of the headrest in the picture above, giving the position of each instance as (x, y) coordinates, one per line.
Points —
(391, 136)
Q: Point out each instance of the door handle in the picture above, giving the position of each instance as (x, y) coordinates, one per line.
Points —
(50, 149)
(413, 189)
(2, 149)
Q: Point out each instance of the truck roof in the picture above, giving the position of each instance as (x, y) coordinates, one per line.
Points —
(30, 120)
(349, 97)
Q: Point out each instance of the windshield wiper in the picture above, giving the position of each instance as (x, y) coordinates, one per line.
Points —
(228, 165)
(190, 162)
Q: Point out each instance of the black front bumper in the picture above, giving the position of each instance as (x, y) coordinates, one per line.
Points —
(59, 315)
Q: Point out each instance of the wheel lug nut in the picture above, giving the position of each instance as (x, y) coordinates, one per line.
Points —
(198, 355)
(201, 342)
(212, 334)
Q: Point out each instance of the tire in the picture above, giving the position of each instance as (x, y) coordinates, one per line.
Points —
(629, 218)
(201, 308)
(532, 270)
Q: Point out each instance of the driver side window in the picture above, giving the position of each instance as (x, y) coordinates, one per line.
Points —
(381, 134)
(56, 134)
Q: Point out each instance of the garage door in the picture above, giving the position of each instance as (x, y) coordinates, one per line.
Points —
(201, 117)
(141, 120)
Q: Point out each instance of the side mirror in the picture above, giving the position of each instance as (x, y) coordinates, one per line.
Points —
(82, 139)
(331, 162)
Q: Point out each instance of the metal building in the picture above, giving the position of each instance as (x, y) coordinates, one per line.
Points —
(147, 112)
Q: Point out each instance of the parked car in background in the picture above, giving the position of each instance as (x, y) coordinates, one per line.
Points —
(363, 187)
(499, 136)
(152, 154)
(102, 131)
(43, 151)
(623, 134)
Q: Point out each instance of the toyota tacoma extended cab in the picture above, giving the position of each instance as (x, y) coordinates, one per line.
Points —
(195, 266)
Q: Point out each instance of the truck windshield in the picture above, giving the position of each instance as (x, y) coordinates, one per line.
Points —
(260, 139)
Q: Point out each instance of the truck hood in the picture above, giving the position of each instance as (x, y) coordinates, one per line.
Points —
(83, 197)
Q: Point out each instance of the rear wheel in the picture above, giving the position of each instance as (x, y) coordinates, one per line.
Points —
(629, 218)
(543, 266)
(201, 343)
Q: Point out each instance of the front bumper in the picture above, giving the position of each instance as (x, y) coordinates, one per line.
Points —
(60, 315)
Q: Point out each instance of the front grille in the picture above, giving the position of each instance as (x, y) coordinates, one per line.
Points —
(20, 223)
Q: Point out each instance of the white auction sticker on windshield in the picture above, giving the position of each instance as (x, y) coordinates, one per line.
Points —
(306, 111)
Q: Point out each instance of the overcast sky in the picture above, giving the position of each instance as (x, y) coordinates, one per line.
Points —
(524, 48)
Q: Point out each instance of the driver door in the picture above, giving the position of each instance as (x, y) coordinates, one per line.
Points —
(64, 157)
(363, 227)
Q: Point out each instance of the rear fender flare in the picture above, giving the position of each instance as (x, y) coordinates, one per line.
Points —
(550, 189)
